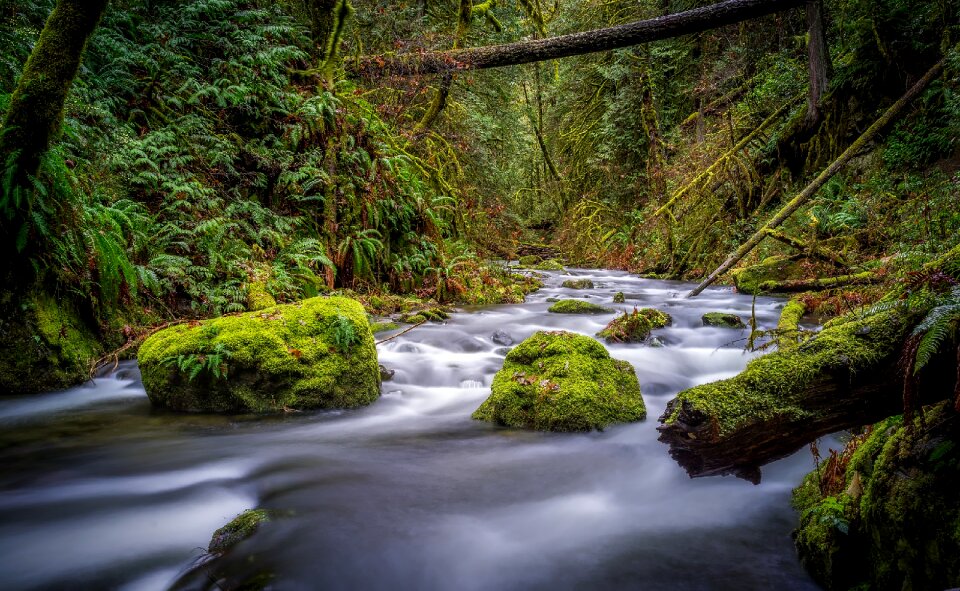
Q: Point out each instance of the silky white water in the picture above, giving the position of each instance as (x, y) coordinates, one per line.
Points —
(100, 491)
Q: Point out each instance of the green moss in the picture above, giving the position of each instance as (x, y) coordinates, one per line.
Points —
(46, 345)
(619, 298)
(530, 260)
(258, 298)
(549, 265)
(775, 268)
(904, 527)
(286, 357)
(415, 319)
(577, 307)
(769, 386)
(560, 381)
(788, 328)
(578, 284)
(378, 327)
(239, 529)
(723, 320)
(635, 326)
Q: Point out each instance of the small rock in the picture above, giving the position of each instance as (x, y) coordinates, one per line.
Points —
(502, 338)
(656, 342)
(619, 298)
(723, 320)
(386, 374)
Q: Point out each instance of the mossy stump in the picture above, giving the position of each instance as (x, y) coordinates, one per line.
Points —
(577, 307)
(561, 381)
(577, 284)
(722, 320)
(318, 353)
(634, 327)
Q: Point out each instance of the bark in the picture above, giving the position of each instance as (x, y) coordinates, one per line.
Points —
(810, 190)
(523, 52)
(819, 65)
(846, 376)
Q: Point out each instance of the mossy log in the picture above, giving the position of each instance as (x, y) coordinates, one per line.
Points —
(843, 377)
(820, 283)
(788, 327)
(812, 250)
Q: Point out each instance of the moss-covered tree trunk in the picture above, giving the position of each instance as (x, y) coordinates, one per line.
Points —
(35, 117)
(819, 64)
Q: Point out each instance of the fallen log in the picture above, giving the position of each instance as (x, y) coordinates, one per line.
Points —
(820, 283)
(845, 376)
(536, 50)
(811, 249)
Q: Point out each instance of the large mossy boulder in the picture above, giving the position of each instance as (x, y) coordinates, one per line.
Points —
(883, 514)
(318, 353)
(776, 268)
(634, 327)
(561, 381)
(45, 345)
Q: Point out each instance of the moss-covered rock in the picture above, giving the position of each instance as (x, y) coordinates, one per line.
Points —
(619, 298)
(578, 284)
(561, 381)
(577, 307)
(775, 268)
(530, 260)
(239, 529)
(549, 265)
(45, 345)
(318, 353)
(895, 522)
(634, 327)
(258, 298)
(723, 320)
(384, 326)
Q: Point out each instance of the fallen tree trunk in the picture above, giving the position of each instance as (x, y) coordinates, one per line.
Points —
(812, 249)
(810, 190)
(846, 376)
(524, 52)
(820, 283)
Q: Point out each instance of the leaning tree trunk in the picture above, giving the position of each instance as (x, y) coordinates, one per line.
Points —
(524, 52)
(35, 117)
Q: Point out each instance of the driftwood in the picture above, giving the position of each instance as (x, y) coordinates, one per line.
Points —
(525, 52)
(810, 190)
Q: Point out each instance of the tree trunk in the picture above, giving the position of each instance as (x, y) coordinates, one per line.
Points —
(523, 52)
(819, 65)
(322, 19)
(439, 102)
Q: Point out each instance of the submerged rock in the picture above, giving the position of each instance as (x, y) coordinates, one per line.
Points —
(635, 326)
(561, 381)
(578, 284)
(889, 519)
(318, 353)
(577, 307)
(723, 320)
(501, 338)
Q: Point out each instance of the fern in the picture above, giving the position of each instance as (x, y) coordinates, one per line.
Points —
(939, 326)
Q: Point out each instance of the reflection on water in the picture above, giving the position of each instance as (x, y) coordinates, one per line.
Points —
(100, 491)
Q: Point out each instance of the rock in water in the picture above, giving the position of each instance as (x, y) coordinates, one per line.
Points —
(502, 338)
(723, 320)
(635, 326)
(386, 374)
(578, 284)
(619, 298)
(561, 381)
(577, 307)
(318, 353)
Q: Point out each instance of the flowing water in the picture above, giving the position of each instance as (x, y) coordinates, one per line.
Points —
(100, 491)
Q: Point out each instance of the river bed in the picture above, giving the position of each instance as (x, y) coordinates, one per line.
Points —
(101, 491)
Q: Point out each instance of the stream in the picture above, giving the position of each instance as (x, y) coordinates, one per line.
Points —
(100, 491)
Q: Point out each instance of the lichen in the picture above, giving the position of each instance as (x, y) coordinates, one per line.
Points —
(771, 385)
(561, 381)
(634, 327)
(578, 284)
(285, 357)
(722, 320)
(577, 307)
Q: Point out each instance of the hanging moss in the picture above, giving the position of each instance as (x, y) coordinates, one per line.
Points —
(561, 381)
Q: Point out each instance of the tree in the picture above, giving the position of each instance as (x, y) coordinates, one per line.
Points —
(35, 117)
